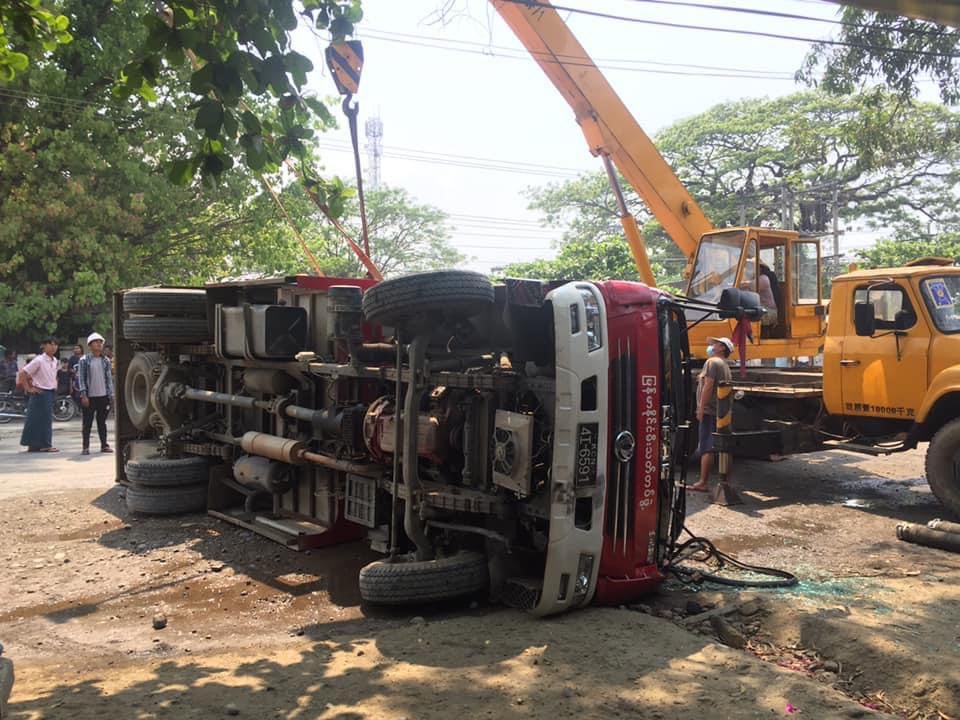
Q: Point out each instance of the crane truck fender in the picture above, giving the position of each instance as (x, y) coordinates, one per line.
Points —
(947, 381)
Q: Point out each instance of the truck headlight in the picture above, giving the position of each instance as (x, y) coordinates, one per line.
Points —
(584, 572)
(591, 306)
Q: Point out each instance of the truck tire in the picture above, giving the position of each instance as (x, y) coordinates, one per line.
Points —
(159, 471)
(166, 302)
(138, 386)
(147, 500)
(423, 581)
(445, 292)
(942, 466)
(166, 329)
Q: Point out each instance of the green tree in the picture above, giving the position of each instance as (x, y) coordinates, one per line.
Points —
(896, 253)
(896, 50)
(28, 29)
(890, 166)
(405, 236)
(239, 51)
(85, 206)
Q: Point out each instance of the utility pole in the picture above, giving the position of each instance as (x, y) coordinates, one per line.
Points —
(786, 209)
(373, 129)
(836, 226)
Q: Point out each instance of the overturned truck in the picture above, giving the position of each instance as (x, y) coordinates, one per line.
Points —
(521, 439)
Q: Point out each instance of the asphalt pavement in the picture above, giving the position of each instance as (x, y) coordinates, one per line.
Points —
(23, 473)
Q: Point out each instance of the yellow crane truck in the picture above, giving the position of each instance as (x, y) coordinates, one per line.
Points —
(890, 342)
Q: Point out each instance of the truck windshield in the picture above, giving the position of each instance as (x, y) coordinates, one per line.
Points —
(941, 294)
(715, 268)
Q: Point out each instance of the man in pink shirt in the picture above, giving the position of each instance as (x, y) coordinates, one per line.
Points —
(39, 379)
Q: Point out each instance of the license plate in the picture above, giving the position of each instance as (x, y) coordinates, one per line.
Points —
(586, 472)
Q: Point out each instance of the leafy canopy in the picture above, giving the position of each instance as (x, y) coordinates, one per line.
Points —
(239, 50)
(28, 29)
(898, 51)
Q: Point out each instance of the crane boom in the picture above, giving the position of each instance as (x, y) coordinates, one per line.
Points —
(609, 127)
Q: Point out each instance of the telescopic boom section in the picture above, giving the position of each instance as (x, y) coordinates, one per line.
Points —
(606, 122)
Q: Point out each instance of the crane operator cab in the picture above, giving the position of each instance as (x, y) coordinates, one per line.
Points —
(778, 265)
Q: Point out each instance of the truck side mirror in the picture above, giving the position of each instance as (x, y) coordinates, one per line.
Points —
(740, 303)
(903, 320)
(864, 319)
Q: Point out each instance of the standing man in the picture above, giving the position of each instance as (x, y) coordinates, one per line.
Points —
(39, 379)
(96, 391)
(715, 370)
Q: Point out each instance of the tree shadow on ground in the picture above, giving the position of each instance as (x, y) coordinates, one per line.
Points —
(596, 663)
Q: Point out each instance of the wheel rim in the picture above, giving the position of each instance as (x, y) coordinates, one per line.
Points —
(140, 393)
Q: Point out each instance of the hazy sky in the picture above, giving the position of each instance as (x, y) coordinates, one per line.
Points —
(470, 121)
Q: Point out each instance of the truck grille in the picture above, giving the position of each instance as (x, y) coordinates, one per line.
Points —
(621, 494)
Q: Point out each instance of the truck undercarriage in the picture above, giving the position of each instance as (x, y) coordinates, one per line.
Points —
(538, 466)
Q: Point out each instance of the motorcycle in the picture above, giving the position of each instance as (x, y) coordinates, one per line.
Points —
(14, 405)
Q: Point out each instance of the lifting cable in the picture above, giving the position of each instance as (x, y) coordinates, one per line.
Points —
(701, 550)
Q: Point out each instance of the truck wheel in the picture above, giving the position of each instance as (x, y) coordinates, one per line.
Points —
(423, 581)
(166, 329)
(165, 301)
(943, 466)
(147, 500)
(157, 471)
(64, 408)
(445, 292)
(138, 386)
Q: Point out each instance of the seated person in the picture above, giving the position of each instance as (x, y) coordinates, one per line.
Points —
(764, 288)
(768, 297)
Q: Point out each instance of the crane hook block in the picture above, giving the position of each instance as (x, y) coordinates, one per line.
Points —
(345, 60)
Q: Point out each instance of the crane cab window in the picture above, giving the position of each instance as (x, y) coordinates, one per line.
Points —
(716, 265)
(806, 273)
(891, 306)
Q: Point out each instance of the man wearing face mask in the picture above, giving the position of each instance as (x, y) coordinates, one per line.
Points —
(715, 370)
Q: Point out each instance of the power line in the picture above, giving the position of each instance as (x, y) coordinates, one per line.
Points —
(495, 166)
(444, 155)
(779, 15)
(572, 63)
(731, 31)
(603, 63)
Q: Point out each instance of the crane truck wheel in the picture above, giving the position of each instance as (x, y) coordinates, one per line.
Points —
(448, 293)
(942, 469)
(166, 301)
(138, 386)
(422, 581)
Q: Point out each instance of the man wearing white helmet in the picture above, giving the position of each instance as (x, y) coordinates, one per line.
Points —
(96, 391)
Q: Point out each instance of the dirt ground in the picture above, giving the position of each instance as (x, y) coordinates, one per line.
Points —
(255, 630)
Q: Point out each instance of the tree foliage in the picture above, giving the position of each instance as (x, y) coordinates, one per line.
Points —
(405, 236)
(27, 29)
(85, 206)
(753, 161)
(896, 253)
(896, 50)
(246, 82)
